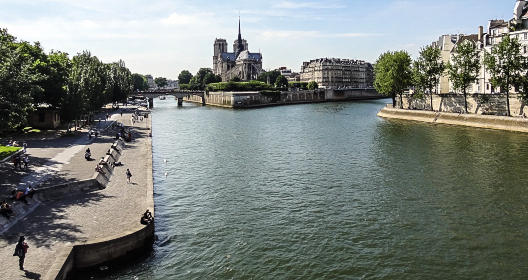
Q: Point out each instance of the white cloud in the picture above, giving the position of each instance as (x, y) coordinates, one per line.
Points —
(187, 19)
(297, 34)
(307, 5)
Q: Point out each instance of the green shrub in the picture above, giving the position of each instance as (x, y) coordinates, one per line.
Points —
(7, 151)
(239, 86)
(299, 85)
(185, 86)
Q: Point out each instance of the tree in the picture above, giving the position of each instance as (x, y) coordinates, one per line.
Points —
(427, 70)
(235, 79)
(393, 74)
(313, 85)
(281, 82)
(209, 78)
(119, 81)
(465, 67)
(18, 83)
(505, 64)
(268, 77)
(185, 77)
(139, 82)
(161, 82)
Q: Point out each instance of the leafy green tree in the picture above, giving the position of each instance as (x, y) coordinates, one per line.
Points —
(281, 82)
(161, 82)
(86, 87)
(18, 83)
(393, 74)
(209, 78)
(185, 77)
(268, 77)
(465, 67)
(55, 85)
(313, 85)
(235, 79)
(505, 64)
(427, 70)
(139, 82)
(119, 81)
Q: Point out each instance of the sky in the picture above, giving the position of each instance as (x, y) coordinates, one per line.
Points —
(164, 37)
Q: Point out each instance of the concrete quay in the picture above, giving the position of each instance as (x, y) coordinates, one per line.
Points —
(255, 99)
(516, 124)
(78, 226)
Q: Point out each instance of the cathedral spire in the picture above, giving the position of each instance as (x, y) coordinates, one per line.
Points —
(240, 45)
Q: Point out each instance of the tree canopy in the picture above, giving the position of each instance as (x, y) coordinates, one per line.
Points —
(427, 70)
(393, 74)
(268, 77)
(139, 82)
(465, 66)
(29, 78)
(281, 82)
(313, 85)
(506, 65)
(185, 77)
(161, 82)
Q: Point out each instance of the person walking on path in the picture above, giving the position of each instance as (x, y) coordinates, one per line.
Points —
(129, 175)
(20, 251)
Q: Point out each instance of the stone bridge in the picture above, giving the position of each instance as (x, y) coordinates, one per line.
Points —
(177, 93)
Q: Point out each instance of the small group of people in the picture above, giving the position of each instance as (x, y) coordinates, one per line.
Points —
(147, 218)
(6, 210)
(19, 160)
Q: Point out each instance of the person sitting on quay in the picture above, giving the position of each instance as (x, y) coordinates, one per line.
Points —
(29, 191)
(18, 195)
(99, 169)
(116, 163)
(102, 162)
(147, 218)
(88, 154)
(5, 210)
(109, 152)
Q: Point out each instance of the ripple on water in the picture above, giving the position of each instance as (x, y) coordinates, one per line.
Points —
(330, 191)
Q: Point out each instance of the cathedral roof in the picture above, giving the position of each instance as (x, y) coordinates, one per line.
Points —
(246, 55)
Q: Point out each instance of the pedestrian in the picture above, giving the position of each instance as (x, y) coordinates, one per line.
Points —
(129, 175)
(26, 161)
(25, 147)
(21, 251)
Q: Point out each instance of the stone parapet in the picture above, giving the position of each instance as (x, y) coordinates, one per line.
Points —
(472, 120)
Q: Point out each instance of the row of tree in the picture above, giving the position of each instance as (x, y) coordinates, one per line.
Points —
(205, 76)
(396, 72)
(30, 77)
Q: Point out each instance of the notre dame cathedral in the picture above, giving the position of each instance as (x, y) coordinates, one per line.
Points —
(240, 63)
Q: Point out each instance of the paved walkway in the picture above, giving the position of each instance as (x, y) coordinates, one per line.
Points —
(55, 225)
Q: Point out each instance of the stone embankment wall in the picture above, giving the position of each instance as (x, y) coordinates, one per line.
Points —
(481, 104)
(256, 99)
(472, 120)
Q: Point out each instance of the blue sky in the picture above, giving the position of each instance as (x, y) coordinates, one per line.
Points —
(163, 37)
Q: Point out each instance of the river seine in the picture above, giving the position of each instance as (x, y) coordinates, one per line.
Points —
(331, 191)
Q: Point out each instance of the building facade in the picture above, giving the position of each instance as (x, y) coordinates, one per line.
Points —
(338, 73)
(240, 63)
(516, 28)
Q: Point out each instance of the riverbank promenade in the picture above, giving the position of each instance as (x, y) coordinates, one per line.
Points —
(54, 226)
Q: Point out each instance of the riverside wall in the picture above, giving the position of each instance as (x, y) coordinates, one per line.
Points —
(252, 99)
(516, 124)
(480, 104)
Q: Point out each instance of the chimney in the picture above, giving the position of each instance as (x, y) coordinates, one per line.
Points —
(481, 33)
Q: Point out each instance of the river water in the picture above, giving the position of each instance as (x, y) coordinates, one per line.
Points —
(331, 191)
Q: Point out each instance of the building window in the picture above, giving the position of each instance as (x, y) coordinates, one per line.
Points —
(525, 36)
(524, 49)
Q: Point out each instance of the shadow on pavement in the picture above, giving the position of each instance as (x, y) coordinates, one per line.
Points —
(49, 222)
